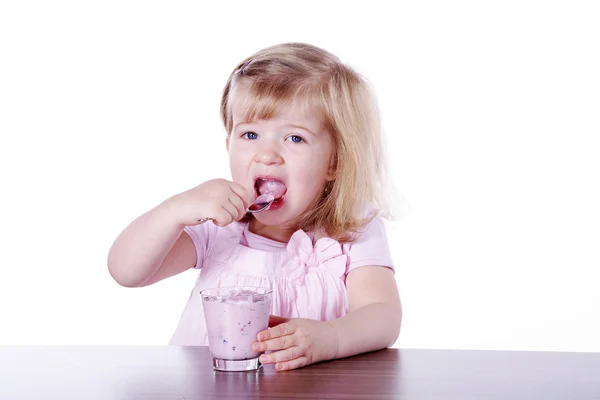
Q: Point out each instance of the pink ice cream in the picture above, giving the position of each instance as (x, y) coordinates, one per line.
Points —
(233, 319)
(271, 186)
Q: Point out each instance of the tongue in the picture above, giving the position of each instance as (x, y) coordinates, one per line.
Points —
(271, 186)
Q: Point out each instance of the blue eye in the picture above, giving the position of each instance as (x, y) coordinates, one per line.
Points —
(296, 139)
(250, 135)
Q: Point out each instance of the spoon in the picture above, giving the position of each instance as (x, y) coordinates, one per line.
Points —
(262, 203)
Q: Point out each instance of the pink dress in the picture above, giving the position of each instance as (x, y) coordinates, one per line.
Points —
(307, 276)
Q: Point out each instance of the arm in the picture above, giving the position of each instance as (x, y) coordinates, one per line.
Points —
(375, 315)
(155, 246)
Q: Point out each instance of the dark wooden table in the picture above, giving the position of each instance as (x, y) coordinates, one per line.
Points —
(178, 373)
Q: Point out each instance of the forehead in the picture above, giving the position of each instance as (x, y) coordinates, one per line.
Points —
(248, 106)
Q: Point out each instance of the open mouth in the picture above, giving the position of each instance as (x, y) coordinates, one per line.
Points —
(271, 186)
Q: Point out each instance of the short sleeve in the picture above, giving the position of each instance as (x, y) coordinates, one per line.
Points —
(370, 247)
(200, 235)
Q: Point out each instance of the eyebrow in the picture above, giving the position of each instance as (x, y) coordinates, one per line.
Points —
(285, 126)
(301, 127)
(238, 124)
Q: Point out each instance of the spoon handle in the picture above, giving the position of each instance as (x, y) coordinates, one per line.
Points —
(262, 203)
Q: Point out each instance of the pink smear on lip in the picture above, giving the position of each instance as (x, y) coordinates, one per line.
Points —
(271, 186)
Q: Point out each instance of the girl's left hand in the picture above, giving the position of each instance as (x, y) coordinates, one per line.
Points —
(296, 342)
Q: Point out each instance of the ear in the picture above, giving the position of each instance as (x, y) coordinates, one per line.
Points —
(331, 170)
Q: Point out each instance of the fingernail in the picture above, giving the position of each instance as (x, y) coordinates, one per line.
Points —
(263, 358)
(279, 367)
(261, 336)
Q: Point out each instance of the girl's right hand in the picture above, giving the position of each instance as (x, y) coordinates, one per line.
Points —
(221, 200)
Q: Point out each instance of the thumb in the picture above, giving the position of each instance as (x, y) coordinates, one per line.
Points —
(275, 320)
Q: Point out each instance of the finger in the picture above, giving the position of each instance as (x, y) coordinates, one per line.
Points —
(230, 208)
(280, 356)
(280, 343)
(226, 215)
(239, 206)
(242, 193)
(292, 364)
(275, 320)
(277, 331)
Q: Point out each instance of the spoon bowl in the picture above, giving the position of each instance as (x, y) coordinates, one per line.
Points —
(262, 203)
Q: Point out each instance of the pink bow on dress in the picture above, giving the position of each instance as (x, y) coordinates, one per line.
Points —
(327, 253)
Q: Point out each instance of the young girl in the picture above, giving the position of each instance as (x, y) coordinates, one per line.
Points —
(303, 127)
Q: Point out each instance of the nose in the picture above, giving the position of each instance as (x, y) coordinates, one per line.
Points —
(268, 155)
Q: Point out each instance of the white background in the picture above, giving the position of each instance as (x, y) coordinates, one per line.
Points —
(491, 111)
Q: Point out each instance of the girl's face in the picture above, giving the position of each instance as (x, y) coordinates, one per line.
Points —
(290, 153)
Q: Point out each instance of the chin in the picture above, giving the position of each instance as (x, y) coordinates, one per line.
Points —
(269, 220)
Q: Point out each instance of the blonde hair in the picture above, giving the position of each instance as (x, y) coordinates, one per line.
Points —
(278, 75)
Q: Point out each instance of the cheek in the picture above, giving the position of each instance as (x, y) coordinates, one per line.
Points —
(311, 181)
(319, 165)
(236, 166)
(233, 165)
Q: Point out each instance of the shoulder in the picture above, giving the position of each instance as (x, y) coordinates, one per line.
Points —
(370, 244)
(372, 225)
(371, 233)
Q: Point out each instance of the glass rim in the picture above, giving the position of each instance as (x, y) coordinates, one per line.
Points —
(263, 290)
